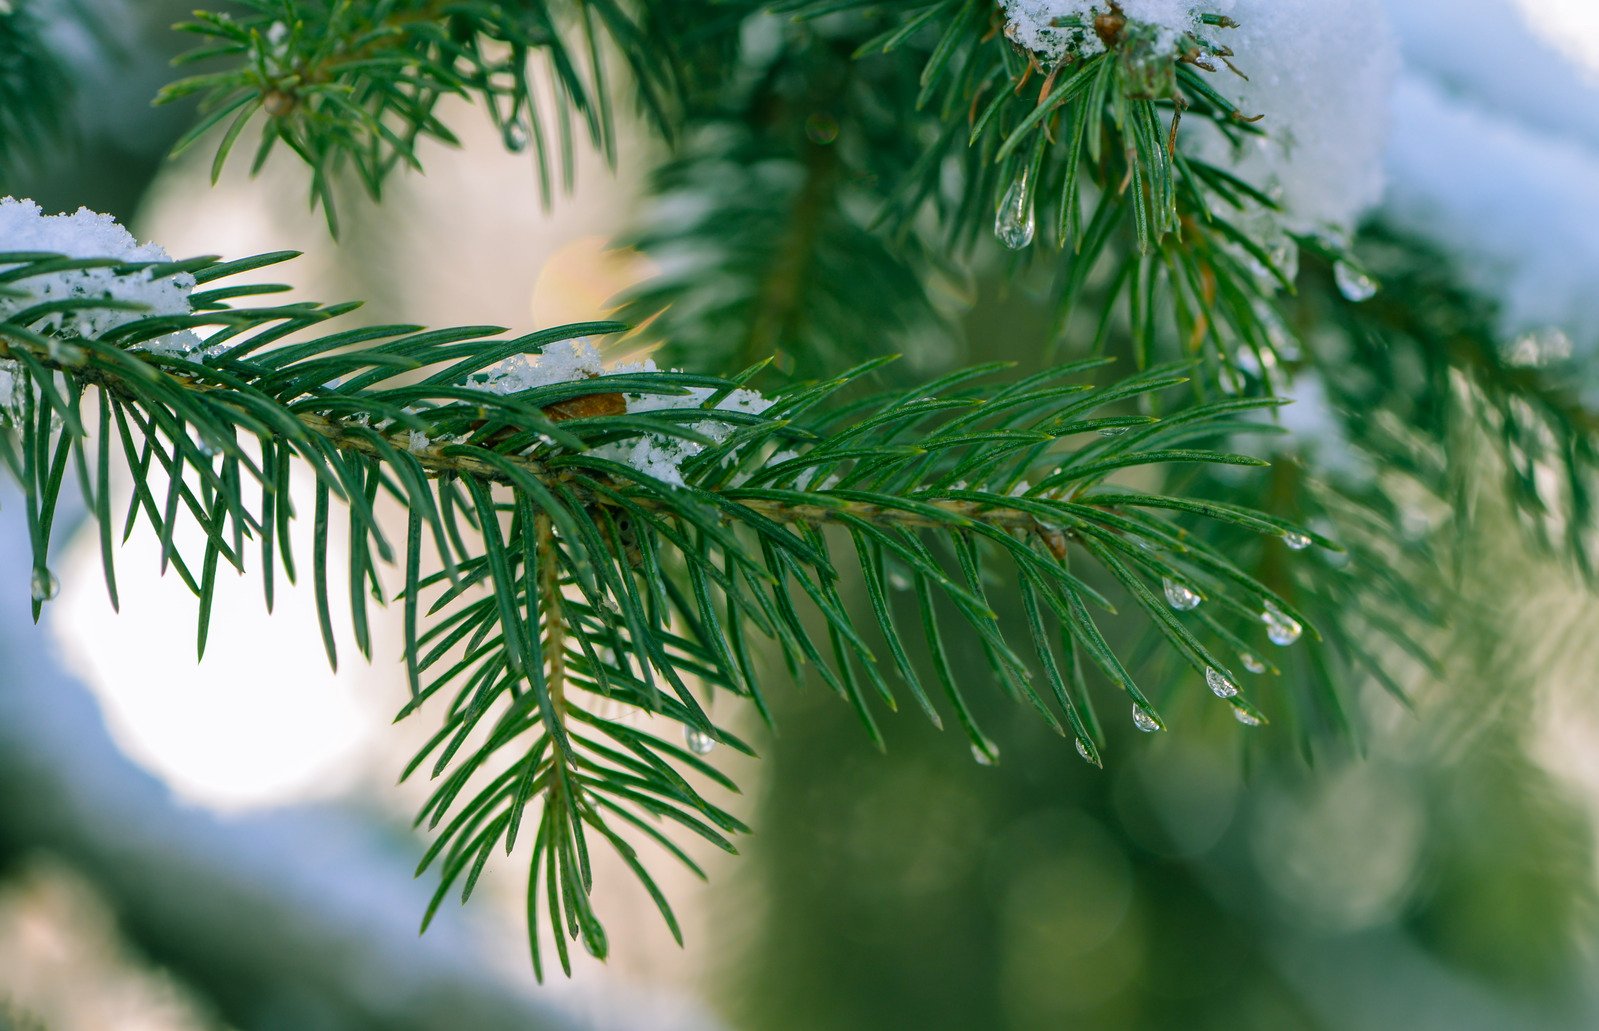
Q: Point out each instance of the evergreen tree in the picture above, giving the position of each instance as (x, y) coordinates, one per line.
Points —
(1264, 423)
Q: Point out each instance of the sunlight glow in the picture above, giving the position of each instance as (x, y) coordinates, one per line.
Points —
(261, 720)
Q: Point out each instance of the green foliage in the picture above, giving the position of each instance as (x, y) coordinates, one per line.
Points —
(356, 86)
(34, 92)
(568, 616)
(564, 578)
(1426, 353)
(787, 161)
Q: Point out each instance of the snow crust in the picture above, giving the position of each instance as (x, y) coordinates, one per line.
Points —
(1506, 57)
(1320, 73)
(1031, 23)
(656, 455)
(562, 362)
(84, 234)
(1493, 159)
(1515, 209)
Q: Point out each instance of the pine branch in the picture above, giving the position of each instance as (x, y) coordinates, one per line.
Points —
(1446, 371)
(627, 537)
(357, 85)
(787, 157)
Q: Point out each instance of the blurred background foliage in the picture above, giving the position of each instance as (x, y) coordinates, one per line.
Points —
(1370, 864)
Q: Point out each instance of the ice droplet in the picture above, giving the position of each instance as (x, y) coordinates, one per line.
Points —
(1220, 686)
(45, 585)
(1144, 720)
(985, 756)
(1354, 284)
(1296, 541)
(1180, 596)
(1251, 663)
(1013, 224)
(1246, 717)
(1281, 630)
(515, 134)
(698, 742)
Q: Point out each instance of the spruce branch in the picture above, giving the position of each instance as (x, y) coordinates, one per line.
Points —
(357, 85)
(554, 566)
(1450, 375)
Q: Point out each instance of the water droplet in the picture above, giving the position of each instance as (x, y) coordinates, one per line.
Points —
(821, 129)
(515, 134)
(898, 580)
(1113, 431)
(45, 585)
(1180, 596)
(985, 756)
(1088, 753)
(1144, 720)
(1220, 686)
(1251, 663)
(1282, 630)
(594, 942)
(1013, 224)
(1246, 717)
(699, 742)
(1296, 541)
(1354, 284)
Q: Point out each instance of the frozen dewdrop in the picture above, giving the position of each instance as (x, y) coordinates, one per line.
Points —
(515, 134)
(1281, 629)
(416, 442)
(1144, 720)
(1354, 284)
(45, 585)
(1251, 663)
(1219, 685)
(1296, 541)
(1014, 223)
(1180, 596)
(698, 742)
(985, 755)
